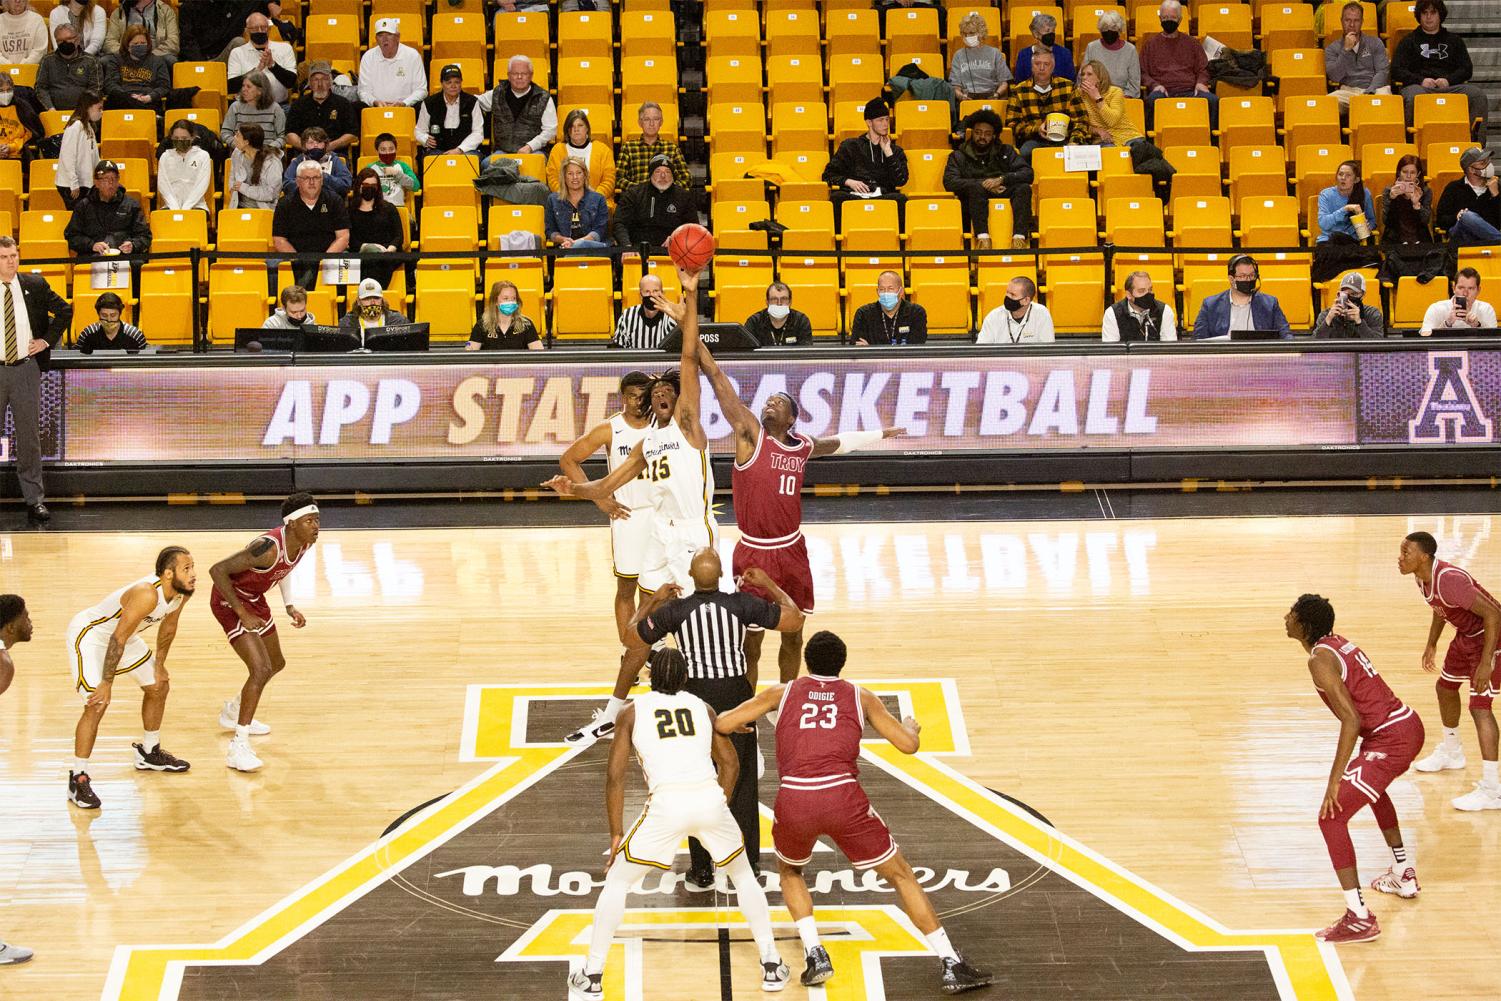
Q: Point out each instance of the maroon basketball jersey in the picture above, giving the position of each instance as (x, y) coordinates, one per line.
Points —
(1451, 593)
(253, 583)
(1374, 701)
(768, 492)
(818, 733)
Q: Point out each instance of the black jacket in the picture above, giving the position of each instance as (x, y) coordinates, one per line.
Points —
(1459, 195)
(1442, 56)
(909, 326)
(967, 168)
(859, 159)
(646, 215)
(49, 314)
(115, 221)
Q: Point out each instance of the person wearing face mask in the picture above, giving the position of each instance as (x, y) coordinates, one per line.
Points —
(868, 166)
(892, 318)
(293, 314)
(644, 327)
(19, 121)
(134, 79)
(184, 171)
(1243, 307)
(371, 311)
(1469, 210)
(23, 33)
(1173, 64)
(1019, 319)
(984, 168)
(336, 176)
(1351, 315)
(450, 120)
(502, 327)
(1118, 56)
(1045, 39)
(110, 332)
(1030, 106)
(977, 71)
(578, 144)
(261, 54)
(254, 171)
(157, 17)
(319, 106)
(650, 211)
(374, 228)
(779, 323)
(397, 177)
(80, 148)
(86, 18)
(1140, 316)
(67, 73)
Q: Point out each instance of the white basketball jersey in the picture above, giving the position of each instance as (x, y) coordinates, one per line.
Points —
(682, 479)
(673, 737)
(623, 438)
(109, 608)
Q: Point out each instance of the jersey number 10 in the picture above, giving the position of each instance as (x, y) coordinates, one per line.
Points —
(787, 485)
(815, 715)
(672, 723)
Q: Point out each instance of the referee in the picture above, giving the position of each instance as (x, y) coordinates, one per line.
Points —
(709, 626)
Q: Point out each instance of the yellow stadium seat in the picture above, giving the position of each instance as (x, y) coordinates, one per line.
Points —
(1310, 120)
(1247, 121)
(739, 287)
(737, 128)
(1203, 275)
(400, 122)
(527, 274)
(797, 126)
(1118, 179)
(53, 122)
(1075, 287)
(648, 34)
(649, 78)
(1377, 118)
(792, 32)
(1135, 222)
(473, 71)
(989, 14)
(583, 300)
(929, 60)
(940, 285)
(1198, 170)
(413, 27)
(733, 79)
(11, 186)
(1257, 170)
(1000, 222)
(729, 168)
(334, 37)
(870, 225)
(209, 118)
(1229, 23)
(446, 299)
(732, 33)
(810, 225)
(1019, 23)
(808, 165)
(42, 233)
(849, 121)
(1050, 180)
(1158, 266)
(815, 281)
(1287, 26)
(128, 135)
(1441, 160)
(915, 29)
(585, 80)
(237, 298)
(210, 79)
(41, 186)
(1181, 121)
(1440, 118)
(168, 300)
(855, 78)
(1400, 20)
(1066, 222)
(934, 224)
(1145, 22)
(1269, 221)
(1314, 167)
(21, 74)
(448, 180)
(522, 34)
(923, 124)
(794, 78)
(448, 228)
(135, 177)
(84, 312)
(995, 272)
(174, 229)
(1378, 163)
(860, 277)
(457, 36)
(585, 35)
(852, 32)
(925, 173)
(395, 293)
(1299, 73)
(1201, 221)
(504, 219)
(1410, 301)
(730, 218)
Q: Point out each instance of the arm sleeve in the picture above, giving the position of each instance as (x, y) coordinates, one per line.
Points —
(202, 170)
(599, 218)
(835, 172)
(1202, 328)
(1372, 323)
(624, 210)
(1336, 61)
(367, 79)
(1280, 319)
(679, 166)
(551, 222)
(1445, 214)
(1201, 66)
(140, 231)
(161, 80)
(1331, 209)
(284, 66)
(1148, 65)
(604, 180)
(1045, 327)
(168, 38)
(113, 87)
(1402, 69)
(78, 241)
(419, 134)
(1111, 107)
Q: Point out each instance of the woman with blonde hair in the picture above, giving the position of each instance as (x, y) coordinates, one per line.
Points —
(978, 70)
(577, 218)
(576, 142)
(502, 327)
(1105, 107)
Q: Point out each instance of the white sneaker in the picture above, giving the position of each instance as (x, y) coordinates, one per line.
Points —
(229, 718)
(12, 955)
(598, 727)
(1443, 758)
(585, 986)
(1403, 884)
(241, 758)
(774, 975)
(1482, 797)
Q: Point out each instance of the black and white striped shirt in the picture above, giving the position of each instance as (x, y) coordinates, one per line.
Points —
(633, 330)
(710, 629)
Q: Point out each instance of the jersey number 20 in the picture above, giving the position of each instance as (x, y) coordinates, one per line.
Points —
(816, 715)
(672, 723)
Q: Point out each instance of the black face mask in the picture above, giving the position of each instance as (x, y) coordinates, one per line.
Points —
(1110, 37)
(1245, 286)
(369, 191)
(1012, 305)
(1145, 303)
(67, 49)
(1049, 39)
(313, 152)
(259, 37)
(297, 321)
(1168, 27)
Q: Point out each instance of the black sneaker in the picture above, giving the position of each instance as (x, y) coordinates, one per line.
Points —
(959, 976)
(158, 760)
(820, 967)
(81, 791)
(701, 879)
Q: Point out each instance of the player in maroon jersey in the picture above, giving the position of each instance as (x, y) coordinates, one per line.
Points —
(239, 604)
(1391, 734)
(15, 627)
(822, 718)
(767, 485)
(1472, 659)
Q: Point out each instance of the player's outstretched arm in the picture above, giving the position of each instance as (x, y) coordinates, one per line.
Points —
(597, 438)
(747, 428)
(851, 441)
(646, 626)
(259, 555)
(628, 470)
(1325, 670)
(904, 736)
(750, 710)
(726, 761)
(685, 315)
(620, 757)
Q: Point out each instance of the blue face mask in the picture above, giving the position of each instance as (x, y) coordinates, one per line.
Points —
(888, 300)
(508, 308)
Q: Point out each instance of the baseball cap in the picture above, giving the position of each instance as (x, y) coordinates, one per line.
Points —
(321, 66)
(1473, 155)
(451, 70)
(1355, 281)
(388, 24)
(660, 160)
(370, 288)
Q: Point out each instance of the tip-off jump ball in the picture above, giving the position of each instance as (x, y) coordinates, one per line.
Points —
(691, 247)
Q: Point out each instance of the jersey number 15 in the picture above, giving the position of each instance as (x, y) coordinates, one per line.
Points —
(672, 723)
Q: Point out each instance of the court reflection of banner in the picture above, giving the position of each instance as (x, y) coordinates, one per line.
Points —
(498, 412)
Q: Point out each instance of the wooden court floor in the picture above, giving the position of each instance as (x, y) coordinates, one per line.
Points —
(1128, 680)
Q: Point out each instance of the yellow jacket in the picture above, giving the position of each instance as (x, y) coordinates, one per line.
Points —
(1109, 113)
(12, 132)
(601, 169)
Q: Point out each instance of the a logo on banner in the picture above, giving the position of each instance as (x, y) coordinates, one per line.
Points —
(1450, 411)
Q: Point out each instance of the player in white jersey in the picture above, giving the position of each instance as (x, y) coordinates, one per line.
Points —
(672, 732)
(104, 642)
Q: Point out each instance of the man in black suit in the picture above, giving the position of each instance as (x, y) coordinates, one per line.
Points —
(29, 328)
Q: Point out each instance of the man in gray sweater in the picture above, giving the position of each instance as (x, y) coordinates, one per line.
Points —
(1356, 63)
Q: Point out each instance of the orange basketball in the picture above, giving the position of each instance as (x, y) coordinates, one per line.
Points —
(691, 247)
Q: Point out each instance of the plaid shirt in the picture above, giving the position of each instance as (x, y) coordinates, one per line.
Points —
(633, 162)
(1026, 109)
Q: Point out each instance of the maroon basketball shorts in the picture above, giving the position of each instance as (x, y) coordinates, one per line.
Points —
(1379, 761)
(1459, 670)
(840, 813)
(787, 566)
(230, 622)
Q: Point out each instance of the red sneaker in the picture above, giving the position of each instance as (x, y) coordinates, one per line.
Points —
(1351, 929)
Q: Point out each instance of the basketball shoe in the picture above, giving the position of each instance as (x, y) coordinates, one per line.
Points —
(774, 975)
(240, 757)
(1403, 884)
(597, 727)
(1351, 929)
(1482, 797)
(586, 985)
(959, 976)
(81, 791)
(1444, 758)
(229, 718)
(820, 967)
(11, 955)
(158, 760)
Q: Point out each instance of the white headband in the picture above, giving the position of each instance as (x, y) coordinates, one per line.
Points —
(301, 512)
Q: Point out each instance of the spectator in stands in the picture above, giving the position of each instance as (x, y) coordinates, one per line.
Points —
(283, 26)
(502, 326)
(336, 176)
(23, 33)
(310, 221)
(260, 54)
(1464, 309)
(392, 75)
(1173, 64)
(1019, 319)
(68, 72)
(1407, 226)
(644, 327)
(978, 71)
(1469, 210)
(542, 5)
(110, 332)
(450, 120)
(1356, 63)
(319, 106)
(983, 168)
(1345, 213)
(650, 211)
(1032, 105)
(134, 78)
(106, 220)
(597, 157)
(80, 148)
(1242, 307)
(1045, 34)
(1140, 316)
(255, 107)
(254, 170)
(577, 218)
(779, 323)
(1105, 106)
(86, 18)
(370, 311)
(1351, 315)
(158, 17)
(1118, 56)
(892, 318)
(396, 176)
(631, 166)
(184, 172)
(868, 166)
(1434, 60)
(375, 228)
(293, 313)
(523, 118)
